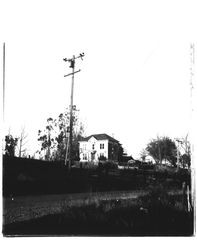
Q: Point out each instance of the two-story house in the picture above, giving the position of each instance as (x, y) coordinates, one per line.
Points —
(98, 146)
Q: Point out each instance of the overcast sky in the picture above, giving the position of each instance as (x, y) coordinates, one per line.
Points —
(134, 82)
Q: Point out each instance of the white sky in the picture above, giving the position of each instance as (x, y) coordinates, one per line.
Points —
(135, 76)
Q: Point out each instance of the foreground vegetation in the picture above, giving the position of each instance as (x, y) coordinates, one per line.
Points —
(160, 209)
(156, 214)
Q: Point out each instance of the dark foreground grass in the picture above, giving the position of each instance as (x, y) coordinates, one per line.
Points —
(109, 219)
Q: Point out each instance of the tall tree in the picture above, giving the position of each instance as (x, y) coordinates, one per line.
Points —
(46, 140)
(163, 149)
(54, 138)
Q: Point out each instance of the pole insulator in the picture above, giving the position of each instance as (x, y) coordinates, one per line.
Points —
(72, 64)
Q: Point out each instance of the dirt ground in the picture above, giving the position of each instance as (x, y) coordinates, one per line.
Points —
(98, 214)
(22, 208)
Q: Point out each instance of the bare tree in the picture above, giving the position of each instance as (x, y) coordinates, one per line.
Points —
(143, 155)
(185, 149)
(22, 140)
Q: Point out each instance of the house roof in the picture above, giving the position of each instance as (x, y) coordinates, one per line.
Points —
(100, 137)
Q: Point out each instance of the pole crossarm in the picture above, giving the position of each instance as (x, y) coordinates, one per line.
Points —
(72, 73)
(81, 55)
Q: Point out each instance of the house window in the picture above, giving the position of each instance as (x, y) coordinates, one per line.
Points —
(101, 154)
(102, 146)
(93, 146)
(84, 156)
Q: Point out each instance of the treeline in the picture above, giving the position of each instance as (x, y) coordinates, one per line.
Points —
(52, 139)
(164, 150)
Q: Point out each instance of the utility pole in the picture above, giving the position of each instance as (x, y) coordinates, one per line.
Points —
(193, 71)
(72, 65)
(3, 81)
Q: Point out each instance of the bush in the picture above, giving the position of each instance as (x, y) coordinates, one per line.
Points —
(102, 158)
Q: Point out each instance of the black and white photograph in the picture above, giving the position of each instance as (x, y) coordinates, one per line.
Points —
(98, 135)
